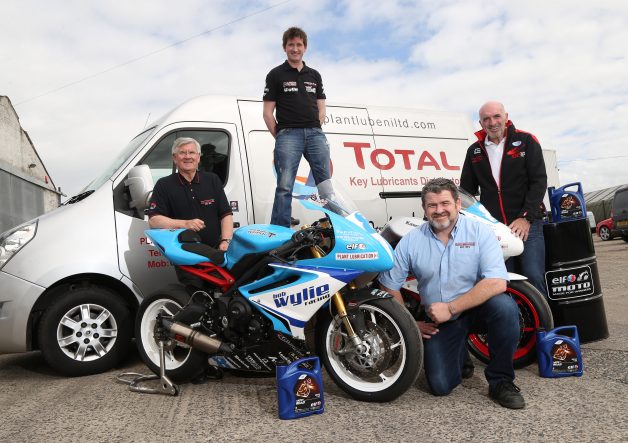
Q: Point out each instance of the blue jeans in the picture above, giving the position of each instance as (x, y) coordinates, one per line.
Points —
(290, 145)
(445, 352)
(531, 262)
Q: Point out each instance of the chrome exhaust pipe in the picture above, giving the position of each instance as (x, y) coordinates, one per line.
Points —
(197, 340)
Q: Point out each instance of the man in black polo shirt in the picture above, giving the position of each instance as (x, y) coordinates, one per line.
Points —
(296, 91)
(190, 199)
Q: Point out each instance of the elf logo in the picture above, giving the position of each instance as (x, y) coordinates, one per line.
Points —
(571, 278)
(308, 295)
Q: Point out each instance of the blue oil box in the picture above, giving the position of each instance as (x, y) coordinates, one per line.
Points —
(558, 352)
(300, 389)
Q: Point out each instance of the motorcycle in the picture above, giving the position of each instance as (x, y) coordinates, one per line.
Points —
(272, 289)
(534, 311)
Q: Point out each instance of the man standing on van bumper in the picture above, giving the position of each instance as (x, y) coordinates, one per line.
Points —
(507, 166)
(296, 91)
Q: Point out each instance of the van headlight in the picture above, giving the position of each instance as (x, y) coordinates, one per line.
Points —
(14, 239)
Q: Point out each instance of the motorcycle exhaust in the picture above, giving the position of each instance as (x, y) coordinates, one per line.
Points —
(197, 340)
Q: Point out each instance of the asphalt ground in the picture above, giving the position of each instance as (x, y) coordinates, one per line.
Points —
(37, 404)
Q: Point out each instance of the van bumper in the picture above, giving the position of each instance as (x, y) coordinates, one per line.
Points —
(17, 298)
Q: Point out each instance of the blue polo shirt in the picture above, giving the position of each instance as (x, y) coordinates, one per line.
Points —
(444, 273)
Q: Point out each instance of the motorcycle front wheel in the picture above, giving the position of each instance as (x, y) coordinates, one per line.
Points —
(390, 360)
(182, 362)
(534, 313)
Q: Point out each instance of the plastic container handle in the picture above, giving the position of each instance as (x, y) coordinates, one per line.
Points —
(572, 329)
(578, 184)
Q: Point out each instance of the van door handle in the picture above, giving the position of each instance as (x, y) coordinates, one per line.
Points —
(236, 224)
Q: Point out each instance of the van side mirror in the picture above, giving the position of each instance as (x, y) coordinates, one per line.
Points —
(140, 184)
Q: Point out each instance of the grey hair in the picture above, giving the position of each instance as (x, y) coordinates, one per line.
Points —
(184, 141)
(438, 185)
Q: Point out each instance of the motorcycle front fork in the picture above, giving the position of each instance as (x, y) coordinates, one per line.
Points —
(341, 309)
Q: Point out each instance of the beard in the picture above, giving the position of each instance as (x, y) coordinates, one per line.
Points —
(443, 223)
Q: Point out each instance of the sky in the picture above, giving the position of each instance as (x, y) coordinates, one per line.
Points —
(86, 77)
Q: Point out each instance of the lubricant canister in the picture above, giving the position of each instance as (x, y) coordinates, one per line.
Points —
(558, 352)
(300, 389)
(567, 202)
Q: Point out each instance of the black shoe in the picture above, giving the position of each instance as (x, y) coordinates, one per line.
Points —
(467, 367)
(294, 221)
(507, 394)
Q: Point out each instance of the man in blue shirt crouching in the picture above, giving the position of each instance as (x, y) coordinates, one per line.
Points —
(461, 277)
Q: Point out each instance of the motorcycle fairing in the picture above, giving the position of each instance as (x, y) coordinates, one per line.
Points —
(358, 249)
(295, 302)
(263, 357)
(167, 241)
(255, 239)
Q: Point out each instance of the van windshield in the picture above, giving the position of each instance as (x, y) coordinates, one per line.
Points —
(118, 161)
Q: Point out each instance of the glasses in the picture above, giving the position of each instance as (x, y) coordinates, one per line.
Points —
(187, 153)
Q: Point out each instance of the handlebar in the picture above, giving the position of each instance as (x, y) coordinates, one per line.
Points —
(303, 238)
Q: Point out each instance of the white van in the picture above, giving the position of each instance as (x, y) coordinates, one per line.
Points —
(71, 280)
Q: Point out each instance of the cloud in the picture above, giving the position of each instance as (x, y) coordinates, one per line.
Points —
(559, 69)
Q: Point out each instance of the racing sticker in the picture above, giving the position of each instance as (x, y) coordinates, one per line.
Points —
(357, 255)
(569, 283)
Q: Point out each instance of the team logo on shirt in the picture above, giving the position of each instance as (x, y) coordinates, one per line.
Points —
(477, 151)
(516, 152)
(310, 87)
(517, 143)
(153, 205)
(465, 245)
(208, 202)
(290, 87)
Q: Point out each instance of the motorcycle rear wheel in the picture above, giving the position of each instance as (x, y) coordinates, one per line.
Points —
(534, 313)
(391, 362)
(182, 362)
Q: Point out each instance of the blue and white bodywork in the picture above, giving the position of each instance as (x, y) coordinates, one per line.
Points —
(293, 292)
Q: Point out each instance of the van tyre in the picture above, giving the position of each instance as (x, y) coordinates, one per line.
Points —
(394, 348)
(534, 313)
(182, 362)
(85, 330)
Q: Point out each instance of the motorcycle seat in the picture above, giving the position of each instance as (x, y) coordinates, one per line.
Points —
(191, 242)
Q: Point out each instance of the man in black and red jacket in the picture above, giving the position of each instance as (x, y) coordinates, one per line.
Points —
(507, 166)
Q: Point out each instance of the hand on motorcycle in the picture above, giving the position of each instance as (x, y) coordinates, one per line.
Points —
(520, 227)
(194, 224)
(427, 329)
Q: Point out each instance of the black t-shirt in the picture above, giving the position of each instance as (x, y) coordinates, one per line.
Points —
(203, 198)
(295, 93)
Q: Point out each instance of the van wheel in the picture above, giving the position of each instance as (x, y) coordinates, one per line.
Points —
(605, 233)
(86, 329)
